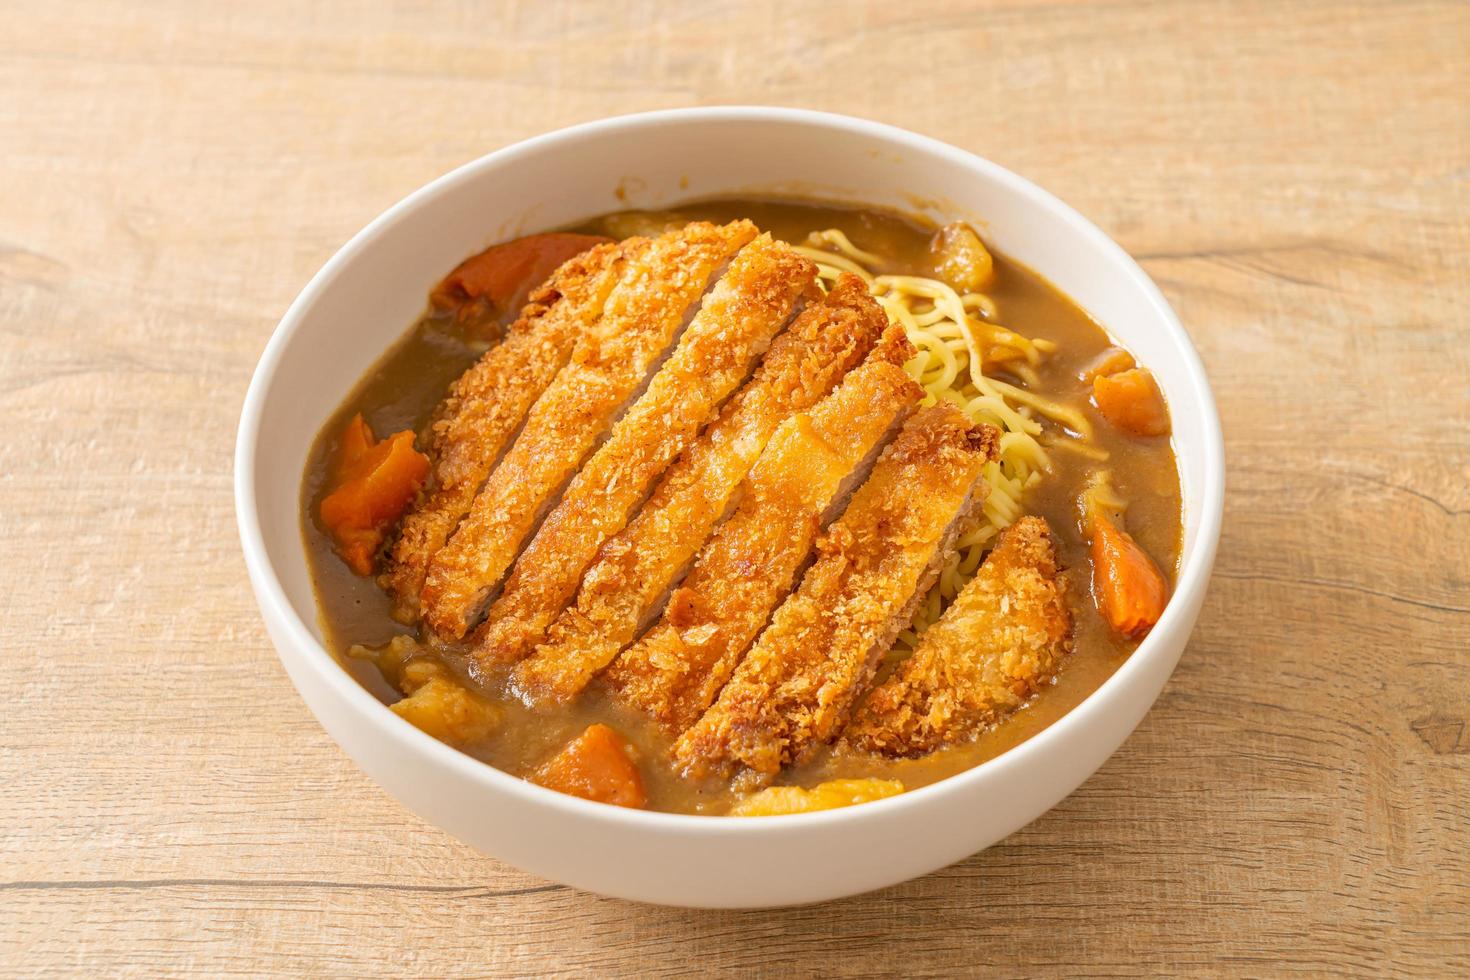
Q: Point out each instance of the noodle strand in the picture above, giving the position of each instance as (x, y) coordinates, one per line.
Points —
(953, 335)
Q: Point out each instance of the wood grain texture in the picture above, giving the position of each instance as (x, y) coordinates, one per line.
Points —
(1296, 176)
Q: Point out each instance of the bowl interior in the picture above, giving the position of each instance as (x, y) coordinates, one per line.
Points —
(373, 290)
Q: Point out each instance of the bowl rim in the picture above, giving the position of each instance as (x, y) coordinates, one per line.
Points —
(1194, 572)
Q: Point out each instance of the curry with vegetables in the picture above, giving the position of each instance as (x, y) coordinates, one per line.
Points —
(751, 507)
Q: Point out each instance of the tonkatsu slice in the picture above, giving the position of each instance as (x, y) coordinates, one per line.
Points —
(610, 365)
(485, 407)
(1001, 639)
(626, 587)
(806, 473)
(795, 688)
(751, 303)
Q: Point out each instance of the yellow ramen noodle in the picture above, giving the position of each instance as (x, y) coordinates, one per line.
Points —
(960, 342)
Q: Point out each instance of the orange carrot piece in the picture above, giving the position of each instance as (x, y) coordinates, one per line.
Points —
(499, 279)
(1131, 400)
(1126, 584)
(1111, 361)
(595, 766)
(372, 484)
(356, 439)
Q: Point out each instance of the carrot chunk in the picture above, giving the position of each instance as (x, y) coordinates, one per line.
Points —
(1109, 362)
(497, 281)
(372, 484)
(1126, 584)
(1131, 400)
(356, 439)
(595, 766)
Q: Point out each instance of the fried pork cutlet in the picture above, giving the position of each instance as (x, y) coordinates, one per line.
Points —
(806, 473)
(609, 366)
(487, 404)
(737, 322)
(627, 585)
(999, 641)
(795, 688)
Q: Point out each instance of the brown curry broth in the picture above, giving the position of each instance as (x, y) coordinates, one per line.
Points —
(403, 388)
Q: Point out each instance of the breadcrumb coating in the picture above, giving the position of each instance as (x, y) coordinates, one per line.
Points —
(735, 325)
(674, 672)
(795, 688)
(609, 366)
(485, 407)
(1002, 638)
(635, 570)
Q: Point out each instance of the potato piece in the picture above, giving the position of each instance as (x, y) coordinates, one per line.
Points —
(390, 658)
(960, 258)
(439, 705)
(627, 224)
(596, 766)
(436, 702)
(776, 801)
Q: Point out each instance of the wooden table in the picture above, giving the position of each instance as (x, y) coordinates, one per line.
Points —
(1296, 176)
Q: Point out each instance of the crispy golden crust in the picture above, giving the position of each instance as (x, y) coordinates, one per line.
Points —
(734, 326)
(609, 364)
(487, 404)
(795, 687)
(636, 568)
(674, 672)
(1001, 639)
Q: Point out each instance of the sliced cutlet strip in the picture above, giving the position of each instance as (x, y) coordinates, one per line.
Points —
(813, 461)
(1000, 640)
(627, 585)
(609, 367)
(735, 325)
(485, 407)
(795, 688)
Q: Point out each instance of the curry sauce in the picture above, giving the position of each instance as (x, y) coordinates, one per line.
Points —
(403, 389)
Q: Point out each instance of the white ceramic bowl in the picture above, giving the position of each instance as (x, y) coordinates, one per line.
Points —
(371, 291)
